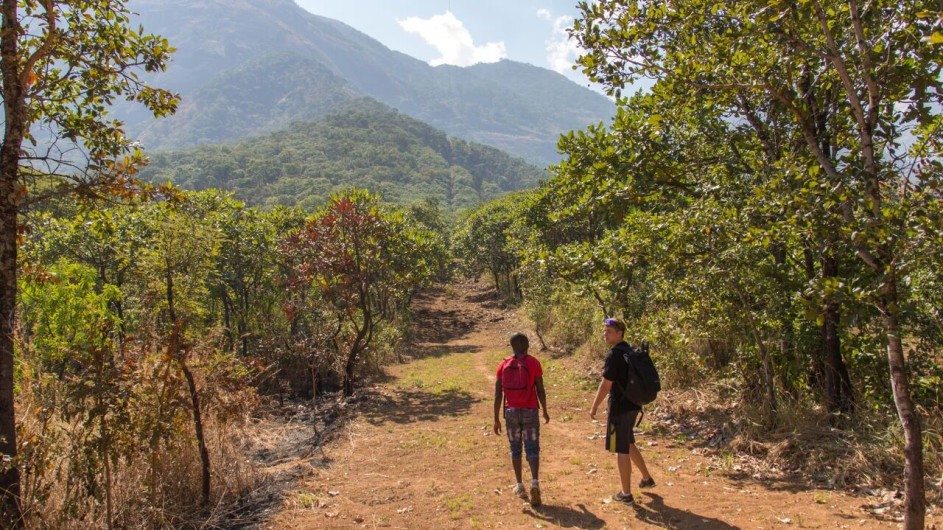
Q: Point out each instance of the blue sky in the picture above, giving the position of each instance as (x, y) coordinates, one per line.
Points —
(464, 32)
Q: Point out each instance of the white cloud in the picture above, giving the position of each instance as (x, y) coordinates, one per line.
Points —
(561, 50)
(544, 14)
(453, 41)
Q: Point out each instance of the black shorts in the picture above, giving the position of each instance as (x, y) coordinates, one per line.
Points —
(619, 431)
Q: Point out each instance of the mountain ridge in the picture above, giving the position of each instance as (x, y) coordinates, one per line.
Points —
(509, 105)
(363, 144)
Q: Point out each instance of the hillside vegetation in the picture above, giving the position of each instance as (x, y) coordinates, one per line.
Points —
(768, 217)
(365, 145)
(263, 95)
(242, 67)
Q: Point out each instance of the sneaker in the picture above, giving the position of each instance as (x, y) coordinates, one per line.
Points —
(535, 496)
(625, 498)
(647, 483)
(520, 491)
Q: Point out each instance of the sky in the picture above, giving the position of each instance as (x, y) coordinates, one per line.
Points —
(466, 32)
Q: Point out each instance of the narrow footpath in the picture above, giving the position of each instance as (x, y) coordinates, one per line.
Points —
(417, 451)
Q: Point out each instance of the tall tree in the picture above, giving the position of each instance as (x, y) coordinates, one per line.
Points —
(366, 261)
(63, 64)
(481, 240)
(854, 153)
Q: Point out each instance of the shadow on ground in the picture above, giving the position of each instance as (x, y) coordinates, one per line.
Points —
(791, 484)
(657, 513)
(437, 320)
(567, 517)
(490, 299)
(410, 406)
(437, 351)
(441, 325)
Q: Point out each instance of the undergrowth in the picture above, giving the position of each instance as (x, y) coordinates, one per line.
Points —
(861, 453)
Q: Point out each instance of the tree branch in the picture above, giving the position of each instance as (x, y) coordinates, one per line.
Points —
(44, 49)
(866, 64)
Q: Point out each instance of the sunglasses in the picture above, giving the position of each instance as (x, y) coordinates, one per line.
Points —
(613, 323)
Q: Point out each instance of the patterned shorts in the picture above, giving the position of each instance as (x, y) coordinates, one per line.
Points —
(523, 428)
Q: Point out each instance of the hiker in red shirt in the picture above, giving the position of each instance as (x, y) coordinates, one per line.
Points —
(521, 385)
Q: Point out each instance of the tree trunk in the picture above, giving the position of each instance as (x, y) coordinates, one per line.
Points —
(198, 427)
(349, 372)
(915, 494)
(355, 348)
(768, 375)
(816, 364)
(838, 381)
(243, 336)
(227, 321)
(838, 390)
(9, 474)
(14, 126)
(349, 367)
(315, 378)
(244, 323)
(543, 343)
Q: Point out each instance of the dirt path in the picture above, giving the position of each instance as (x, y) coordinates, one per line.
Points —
(418, 452)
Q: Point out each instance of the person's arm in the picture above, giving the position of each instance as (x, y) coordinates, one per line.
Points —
(498, 395)
(542, 397)
(601, 394)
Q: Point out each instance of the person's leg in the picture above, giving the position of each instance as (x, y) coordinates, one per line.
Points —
(619, 440)
(535, 499)
(625, 472)
(518, 467)
(639, 462)
(534, 464)
(531, 436)
(636, 456)
(514, 427)
(531, 428)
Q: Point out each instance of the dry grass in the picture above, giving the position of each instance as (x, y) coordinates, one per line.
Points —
(865, 455)
(58, 495)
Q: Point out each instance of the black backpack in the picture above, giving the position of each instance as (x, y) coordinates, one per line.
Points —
(642, 384)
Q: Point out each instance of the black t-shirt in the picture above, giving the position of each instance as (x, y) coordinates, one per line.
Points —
(617, 371)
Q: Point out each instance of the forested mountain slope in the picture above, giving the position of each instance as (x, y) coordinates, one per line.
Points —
(364, 144)
(243, 66)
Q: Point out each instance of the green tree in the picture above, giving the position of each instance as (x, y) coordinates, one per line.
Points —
(177, 267)
(246, 271)
(856, 85)
(70, 330)
(483, 242)
(62, 63)
(365, 261)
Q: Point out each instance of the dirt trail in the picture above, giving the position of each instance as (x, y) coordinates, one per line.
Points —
(417, 452)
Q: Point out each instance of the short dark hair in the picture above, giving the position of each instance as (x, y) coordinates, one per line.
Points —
(616, 324)
(519, 343)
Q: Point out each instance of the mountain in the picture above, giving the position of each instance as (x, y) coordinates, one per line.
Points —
(262, 95)
(246, 67)
(363, 144)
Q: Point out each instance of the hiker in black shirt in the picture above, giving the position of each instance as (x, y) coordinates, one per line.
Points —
(622, 413)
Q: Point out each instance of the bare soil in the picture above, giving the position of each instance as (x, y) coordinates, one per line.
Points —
(415, 450)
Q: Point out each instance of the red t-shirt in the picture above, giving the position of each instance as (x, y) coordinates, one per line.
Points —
(516, 399)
